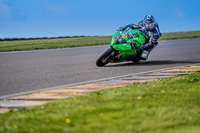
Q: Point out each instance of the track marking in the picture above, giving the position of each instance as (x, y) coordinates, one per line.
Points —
(46, 95)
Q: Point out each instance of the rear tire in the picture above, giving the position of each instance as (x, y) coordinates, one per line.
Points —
(136, 60)
(104, 57)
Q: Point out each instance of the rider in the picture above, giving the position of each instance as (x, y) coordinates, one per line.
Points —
(149, 27)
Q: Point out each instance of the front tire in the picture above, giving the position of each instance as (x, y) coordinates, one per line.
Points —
(104, 57)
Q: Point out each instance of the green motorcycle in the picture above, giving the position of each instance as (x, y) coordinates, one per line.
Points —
(122, 48)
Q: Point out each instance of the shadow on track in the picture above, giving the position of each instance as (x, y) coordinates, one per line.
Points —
(148, 63)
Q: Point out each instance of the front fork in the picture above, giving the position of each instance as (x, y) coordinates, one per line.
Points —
(116, 55)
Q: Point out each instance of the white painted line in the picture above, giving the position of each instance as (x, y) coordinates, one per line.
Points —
(92, 81)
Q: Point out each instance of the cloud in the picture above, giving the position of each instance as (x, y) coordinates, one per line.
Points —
(179, 12)
(5, 10)
(9, 12)
(59, 10)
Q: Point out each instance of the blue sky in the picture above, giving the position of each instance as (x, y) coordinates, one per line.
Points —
(53, 18)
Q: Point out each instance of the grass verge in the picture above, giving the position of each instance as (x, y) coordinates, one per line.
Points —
(168, 105)
(24, 45)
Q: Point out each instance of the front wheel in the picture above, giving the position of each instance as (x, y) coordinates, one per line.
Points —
(105, 57)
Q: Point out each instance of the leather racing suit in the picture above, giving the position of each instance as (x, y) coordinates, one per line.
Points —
(152, 36)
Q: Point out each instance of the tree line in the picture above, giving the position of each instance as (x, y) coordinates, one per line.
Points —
(17, 39)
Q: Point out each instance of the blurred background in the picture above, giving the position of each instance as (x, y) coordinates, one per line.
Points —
(54, 18)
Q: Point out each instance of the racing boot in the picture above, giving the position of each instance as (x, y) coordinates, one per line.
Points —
(144, 55)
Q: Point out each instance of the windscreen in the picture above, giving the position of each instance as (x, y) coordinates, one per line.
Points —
(124, 35)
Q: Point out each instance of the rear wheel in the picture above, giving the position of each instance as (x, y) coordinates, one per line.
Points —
(105, 57)
(136, 60)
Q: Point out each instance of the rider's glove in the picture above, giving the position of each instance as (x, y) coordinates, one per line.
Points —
(137, 48)
(154, 38)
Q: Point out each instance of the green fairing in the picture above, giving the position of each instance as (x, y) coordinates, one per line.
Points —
(125, 48)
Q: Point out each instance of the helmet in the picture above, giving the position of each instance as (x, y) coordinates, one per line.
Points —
(149, 22)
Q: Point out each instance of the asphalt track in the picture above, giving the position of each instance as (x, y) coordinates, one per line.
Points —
(35, 70)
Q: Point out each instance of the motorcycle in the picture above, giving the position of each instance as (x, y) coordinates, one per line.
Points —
(122, 47)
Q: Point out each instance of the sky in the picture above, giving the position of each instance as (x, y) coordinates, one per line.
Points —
(56, 18)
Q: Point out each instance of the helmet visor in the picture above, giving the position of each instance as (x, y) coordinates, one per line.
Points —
(149, 25)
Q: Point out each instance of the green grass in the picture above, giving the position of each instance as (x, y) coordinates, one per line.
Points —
(180, 35)
(24, 45)
(166, 106)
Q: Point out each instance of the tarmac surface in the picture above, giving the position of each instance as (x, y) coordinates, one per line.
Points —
(36, 70)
